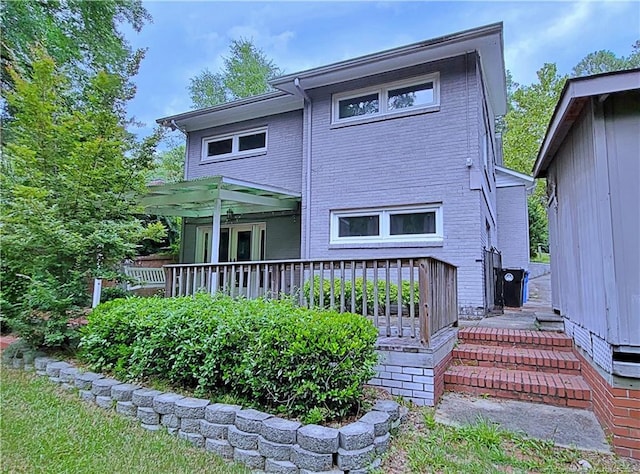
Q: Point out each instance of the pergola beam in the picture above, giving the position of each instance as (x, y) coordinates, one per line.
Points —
(199, 198)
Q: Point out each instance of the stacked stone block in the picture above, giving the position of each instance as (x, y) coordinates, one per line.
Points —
(259, 440)
(190, 412)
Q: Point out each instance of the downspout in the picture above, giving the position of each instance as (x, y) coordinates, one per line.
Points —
(307, 191)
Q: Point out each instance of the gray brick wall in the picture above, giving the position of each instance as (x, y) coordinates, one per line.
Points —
(513, 231)
(280, 166)
(416, 159)
(400, 161)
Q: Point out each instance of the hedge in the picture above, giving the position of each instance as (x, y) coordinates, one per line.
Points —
(281, 356)
(382, 294)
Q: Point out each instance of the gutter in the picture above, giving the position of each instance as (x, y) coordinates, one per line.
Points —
(307, 190)
(391, 53)
(224, 106)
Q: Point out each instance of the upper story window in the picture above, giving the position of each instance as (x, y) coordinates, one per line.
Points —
(414, 94)
(247, 142)
(397, 224)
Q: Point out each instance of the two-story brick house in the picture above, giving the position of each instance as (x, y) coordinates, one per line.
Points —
(394, 154)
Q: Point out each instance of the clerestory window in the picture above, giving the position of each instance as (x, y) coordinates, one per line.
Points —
(414, 94)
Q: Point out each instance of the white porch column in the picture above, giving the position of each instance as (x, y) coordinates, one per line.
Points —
(215, 241)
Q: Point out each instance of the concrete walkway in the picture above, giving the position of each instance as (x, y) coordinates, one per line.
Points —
(539, 303)
(568, 427)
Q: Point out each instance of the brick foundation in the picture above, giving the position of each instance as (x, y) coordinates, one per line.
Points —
(412, 371)
(617, 409)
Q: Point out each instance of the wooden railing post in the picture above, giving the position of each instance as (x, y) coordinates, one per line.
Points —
(424, 309)
(168, 278)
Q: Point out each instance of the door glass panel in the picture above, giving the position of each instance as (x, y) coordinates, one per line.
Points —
(244, 246)
(223, 253)
(207, 246)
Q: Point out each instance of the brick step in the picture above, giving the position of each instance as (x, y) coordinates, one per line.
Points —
(525, 385)
(512, 337)
(537, 360)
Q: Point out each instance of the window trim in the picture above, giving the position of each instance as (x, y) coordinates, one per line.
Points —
(235, 144)
(383, 99)
(384, 214)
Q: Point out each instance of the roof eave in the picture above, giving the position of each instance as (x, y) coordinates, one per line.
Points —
(574, 95)
(486, 40)
(257, 106)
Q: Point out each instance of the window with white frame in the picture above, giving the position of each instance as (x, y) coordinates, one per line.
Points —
(413, 94)
(394, 224)
(247, 142)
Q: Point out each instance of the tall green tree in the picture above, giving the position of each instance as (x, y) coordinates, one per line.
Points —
(606, 61)
(246, 72)
(529, 113)
(71, 174)
(82, 37)
(530, 108)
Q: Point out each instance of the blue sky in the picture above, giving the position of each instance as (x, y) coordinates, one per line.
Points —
(186, 37)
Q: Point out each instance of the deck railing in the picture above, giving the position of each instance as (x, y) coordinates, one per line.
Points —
(406, 297)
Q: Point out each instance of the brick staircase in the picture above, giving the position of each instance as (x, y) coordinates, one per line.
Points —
(535, 366)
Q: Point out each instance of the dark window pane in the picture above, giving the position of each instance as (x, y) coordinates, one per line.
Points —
(219, 147)
(418, 223)
(363, 105)
(244, 246)
(359, 226)
(252, 142)
(223, 252)
(411, 96)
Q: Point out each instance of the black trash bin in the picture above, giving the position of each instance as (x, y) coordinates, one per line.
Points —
(512, 280)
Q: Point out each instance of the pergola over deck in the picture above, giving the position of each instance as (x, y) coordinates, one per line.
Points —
(214, 197)
(411, 299)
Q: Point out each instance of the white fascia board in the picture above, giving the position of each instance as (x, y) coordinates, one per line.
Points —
(263, 105)
(523, 178)
(487, 41)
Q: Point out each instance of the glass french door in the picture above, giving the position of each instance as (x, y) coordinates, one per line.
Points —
(238, 243)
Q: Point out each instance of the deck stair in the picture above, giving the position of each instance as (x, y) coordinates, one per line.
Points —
(536, 366)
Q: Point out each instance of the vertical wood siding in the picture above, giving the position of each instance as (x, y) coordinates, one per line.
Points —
(622, 126)
(594, 231)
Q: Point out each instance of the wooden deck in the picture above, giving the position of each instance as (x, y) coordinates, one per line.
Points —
(406, 298)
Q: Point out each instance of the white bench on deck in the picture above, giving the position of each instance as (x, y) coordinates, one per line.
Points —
(145, 277)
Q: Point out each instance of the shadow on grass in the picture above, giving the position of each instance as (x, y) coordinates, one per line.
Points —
(48, 430)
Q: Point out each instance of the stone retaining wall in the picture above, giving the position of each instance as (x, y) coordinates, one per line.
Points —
(259, 440)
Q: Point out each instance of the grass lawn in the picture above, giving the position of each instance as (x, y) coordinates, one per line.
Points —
(48, 430)
(541, 258)
(424, 446)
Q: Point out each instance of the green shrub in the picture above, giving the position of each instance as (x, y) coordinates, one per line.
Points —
(43, 315)
(381, 296)
(109, 293)
(284, 357)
